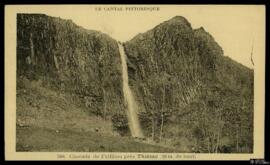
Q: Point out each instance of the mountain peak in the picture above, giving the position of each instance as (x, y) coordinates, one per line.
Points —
(201, 29)
(179, 19)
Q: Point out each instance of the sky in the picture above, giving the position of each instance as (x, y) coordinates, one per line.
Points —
(234, 27)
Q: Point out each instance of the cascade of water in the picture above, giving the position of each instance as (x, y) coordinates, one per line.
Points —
(132, 111)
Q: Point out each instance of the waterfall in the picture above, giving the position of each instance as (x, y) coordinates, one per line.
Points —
(132, 111)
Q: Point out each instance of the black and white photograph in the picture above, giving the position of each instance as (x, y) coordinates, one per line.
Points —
(141, 80)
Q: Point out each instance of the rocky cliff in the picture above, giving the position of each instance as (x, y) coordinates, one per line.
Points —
(71, 59)
(188, 90)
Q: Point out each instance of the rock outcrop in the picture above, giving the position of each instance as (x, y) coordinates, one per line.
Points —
(178, 74)
(70, 59)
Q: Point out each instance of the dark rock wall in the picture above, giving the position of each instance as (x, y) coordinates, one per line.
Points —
(180, 74)
(175, 55)
(70, 59)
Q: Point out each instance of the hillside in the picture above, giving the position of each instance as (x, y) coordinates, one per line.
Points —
(70, 59)
(51, 122)
(188, 91)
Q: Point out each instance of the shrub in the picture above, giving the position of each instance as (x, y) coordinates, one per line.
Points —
(120, 124)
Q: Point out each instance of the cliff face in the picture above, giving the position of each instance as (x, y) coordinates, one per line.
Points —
(71, 59)
(189, 95)
(177, 57)
(182, 80)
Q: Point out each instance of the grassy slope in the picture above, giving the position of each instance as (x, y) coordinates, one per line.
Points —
(47, 121)
(44, 139)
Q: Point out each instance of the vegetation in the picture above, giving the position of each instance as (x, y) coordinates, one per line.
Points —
(120, 124)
